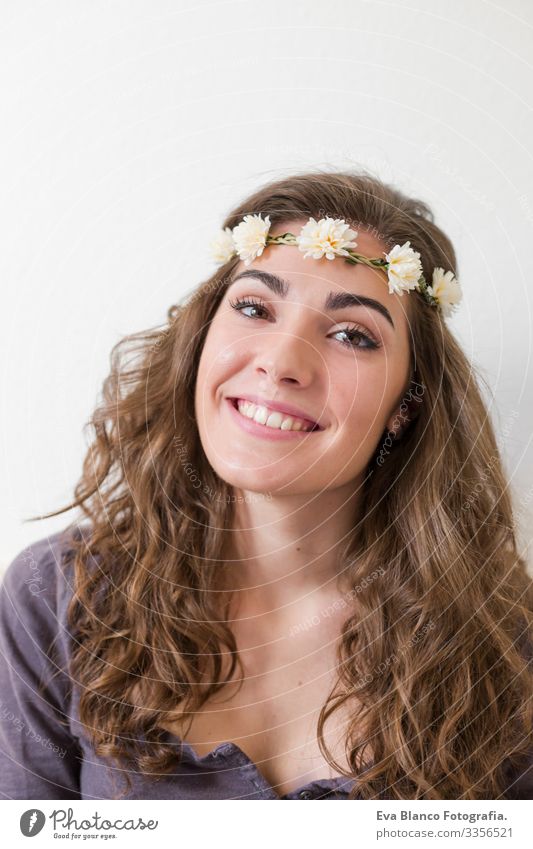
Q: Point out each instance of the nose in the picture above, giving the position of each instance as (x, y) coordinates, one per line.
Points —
(286, 357)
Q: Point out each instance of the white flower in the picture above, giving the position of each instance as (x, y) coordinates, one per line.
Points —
(446, 289)
(329, 237)
(222, 247)
(404, 269)
(250, 237)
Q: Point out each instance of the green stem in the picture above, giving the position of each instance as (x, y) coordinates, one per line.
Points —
(281, 239)
(375, 263)
(290, 239)
(354, 258)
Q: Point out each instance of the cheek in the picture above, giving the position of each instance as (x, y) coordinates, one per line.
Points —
(219, 359)
(363, 405)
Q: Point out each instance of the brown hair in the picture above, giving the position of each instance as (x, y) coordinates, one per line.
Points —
(436, 655)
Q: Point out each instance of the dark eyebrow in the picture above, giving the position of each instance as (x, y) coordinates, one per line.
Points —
(334, 300)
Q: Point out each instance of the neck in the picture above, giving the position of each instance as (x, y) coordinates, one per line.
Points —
(286, 550)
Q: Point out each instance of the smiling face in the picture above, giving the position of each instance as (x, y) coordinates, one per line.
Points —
(345, 369)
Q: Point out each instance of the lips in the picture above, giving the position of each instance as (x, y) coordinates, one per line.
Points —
(262, 431)
(281, 407)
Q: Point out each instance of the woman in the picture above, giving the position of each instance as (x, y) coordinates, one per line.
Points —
(291, 584)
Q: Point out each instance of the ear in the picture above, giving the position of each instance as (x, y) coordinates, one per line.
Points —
(406, 411)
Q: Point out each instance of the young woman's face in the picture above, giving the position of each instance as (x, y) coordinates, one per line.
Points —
(294, 349)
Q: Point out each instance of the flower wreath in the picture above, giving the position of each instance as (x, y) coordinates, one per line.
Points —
(331, 237)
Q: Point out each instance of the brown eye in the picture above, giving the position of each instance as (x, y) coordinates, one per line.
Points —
(241, 303)
(355, 337)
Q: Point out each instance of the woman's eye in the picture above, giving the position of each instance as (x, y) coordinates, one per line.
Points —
(240, 304)
(355, 336)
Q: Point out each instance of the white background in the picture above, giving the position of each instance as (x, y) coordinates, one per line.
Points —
(129, 128)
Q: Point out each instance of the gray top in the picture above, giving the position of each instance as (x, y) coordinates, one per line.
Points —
(44, 750)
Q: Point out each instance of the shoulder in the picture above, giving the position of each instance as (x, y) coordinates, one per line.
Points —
(38, 583)
(39, 752)
(43, 554)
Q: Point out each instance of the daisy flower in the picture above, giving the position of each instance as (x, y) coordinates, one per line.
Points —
(446, 289)
(250, 237)
(404, 269)
(222, 247)
(329, 237)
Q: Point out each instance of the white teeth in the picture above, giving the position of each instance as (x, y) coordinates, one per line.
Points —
(261, 415)
(271, 418)
(274, 420)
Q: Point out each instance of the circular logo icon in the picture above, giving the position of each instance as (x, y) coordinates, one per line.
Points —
(31, 822)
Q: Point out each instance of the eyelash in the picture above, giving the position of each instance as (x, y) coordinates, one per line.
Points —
(240, 303)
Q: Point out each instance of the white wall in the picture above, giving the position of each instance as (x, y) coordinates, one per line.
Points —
(130, 126)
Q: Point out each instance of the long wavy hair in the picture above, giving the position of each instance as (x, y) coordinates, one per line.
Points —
(436, 659)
